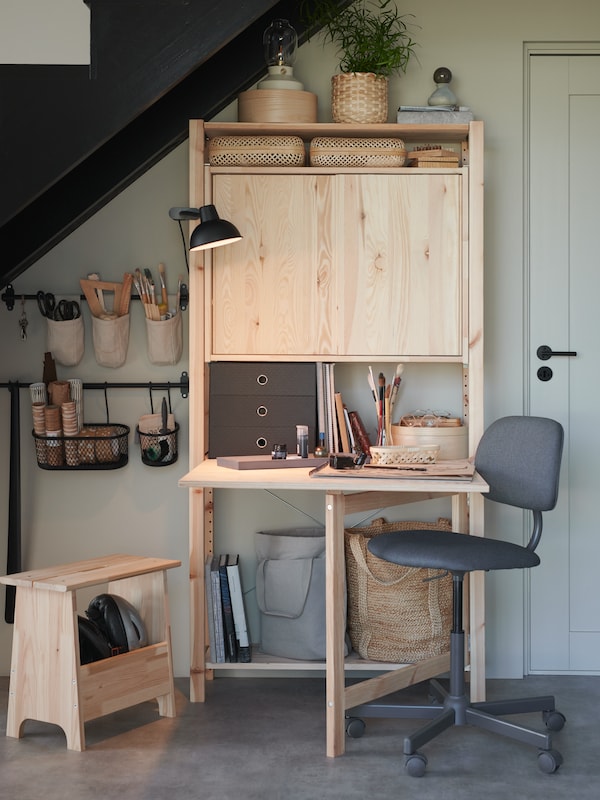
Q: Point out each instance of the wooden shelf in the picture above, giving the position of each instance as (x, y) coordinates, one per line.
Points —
(265, 662)
(308, 130)
(307, 235)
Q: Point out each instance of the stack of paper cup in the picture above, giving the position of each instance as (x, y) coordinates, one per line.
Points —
(70, 429)
(38, 410)
(38, 393)
(59, 392)
(54, 444)
(76, 392)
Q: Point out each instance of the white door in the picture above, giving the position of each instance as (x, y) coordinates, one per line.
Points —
(563, 213)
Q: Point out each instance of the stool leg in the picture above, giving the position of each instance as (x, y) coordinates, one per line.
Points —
(44, 681)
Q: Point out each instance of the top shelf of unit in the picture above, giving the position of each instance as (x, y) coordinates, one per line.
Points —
(457, 132)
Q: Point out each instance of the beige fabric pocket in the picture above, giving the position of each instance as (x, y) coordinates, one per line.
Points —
(66, 341)
(111, 340)
(165, 340)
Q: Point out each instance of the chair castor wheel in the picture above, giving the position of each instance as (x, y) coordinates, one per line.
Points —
(549, 761)
(555, 721)
(355, 727)
(415, 765)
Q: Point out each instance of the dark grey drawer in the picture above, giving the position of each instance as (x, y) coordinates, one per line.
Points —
(268, 411)
(258, 378)
(251, 441)
(256, 405)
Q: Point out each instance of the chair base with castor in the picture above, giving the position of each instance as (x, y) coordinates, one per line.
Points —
(520, 458)
(452, 708)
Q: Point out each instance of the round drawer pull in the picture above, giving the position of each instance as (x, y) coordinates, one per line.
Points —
(262, 411)
(262, 380)
(261, 442)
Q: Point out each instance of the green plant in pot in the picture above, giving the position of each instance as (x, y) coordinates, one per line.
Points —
(373, 42)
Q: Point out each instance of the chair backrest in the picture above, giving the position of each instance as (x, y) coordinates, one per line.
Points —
(520, 457)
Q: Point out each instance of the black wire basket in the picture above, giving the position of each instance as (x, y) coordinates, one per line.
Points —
(158, 449)
(97, 446)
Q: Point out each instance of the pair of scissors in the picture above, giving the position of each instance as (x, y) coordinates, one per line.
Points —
(67, 309)
(46, 304)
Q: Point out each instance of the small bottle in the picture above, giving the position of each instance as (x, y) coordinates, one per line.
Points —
(321, 449)
(302, 440)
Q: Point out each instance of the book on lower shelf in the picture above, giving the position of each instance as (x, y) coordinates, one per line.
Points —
(217, 611)
(208, 590)
(225, 610)
(228, 624)
(239, 611)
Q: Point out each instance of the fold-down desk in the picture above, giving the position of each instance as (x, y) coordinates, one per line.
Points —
(346, 494)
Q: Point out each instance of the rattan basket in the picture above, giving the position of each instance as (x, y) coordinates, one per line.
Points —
(360, 97)
(395, 614)
(339, 151)
(255, 151)
(402, 454)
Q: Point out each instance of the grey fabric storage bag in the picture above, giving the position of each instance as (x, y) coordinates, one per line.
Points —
(290, 591)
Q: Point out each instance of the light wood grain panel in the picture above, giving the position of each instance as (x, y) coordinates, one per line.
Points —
(45, 658)
(402, 246)
(275, 288)
(121, 681)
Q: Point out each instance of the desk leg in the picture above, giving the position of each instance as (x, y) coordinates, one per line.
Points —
(335, 622)
(477, 608)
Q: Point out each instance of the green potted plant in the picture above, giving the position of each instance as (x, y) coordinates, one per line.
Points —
(373, 42)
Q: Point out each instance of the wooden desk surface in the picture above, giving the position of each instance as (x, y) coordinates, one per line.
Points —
(209, 475)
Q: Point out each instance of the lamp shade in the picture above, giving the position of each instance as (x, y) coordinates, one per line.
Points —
(280, 41)
(212, 231)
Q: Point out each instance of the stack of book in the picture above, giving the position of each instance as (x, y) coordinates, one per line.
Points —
(343, 430)
(227, 624)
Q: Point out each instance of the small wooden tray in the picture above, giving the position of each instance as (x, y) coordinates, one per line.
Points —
(266, 462)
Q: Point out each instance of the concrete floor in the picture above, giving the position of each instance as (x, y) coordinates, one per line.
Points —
(265, 738)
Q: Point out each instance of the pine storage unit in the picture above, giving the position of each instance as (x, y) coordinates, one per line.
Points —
(47, 682)
(342, 264)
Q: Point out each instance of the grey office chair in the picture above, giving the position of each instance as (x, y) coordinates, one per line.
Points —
(519, 457)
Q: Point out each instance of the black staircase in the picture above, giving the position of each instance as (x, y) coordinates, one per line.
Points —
(73, 137)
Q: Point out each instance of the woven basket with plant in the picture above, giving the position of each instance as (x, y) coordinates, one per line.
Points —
(373, 42)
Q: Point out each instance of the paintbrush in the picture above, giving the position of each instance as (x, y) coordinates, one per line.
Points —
(163, 284)
(381, 406)
(396, 385)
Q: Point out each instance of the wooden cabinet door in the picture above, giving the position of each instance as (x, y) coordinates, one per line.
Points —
(399, 243)
(274, 291)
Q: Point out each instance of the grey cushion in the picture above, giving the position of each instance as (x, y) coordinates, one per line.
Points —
(456, 552)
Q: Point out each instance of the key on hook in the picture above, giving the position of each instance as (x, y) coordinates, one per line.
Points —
(23, 321)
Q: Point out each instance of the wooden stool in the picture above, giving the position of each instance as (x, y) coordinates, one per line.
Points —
(48, 683)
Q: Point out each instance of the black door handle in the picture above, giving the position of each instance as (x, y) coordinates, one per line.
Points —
(544, 352)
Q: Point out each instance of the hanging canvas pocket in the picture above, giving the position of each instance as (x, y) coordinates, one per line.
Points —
(165, 340)
(111, 340)
(66, 340)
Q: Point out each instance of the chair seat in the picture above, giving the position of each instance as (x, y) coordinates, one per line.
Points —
(455, 552)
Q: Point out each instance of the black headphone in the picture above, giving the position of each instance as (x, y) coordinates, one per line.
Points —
(112, 626)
